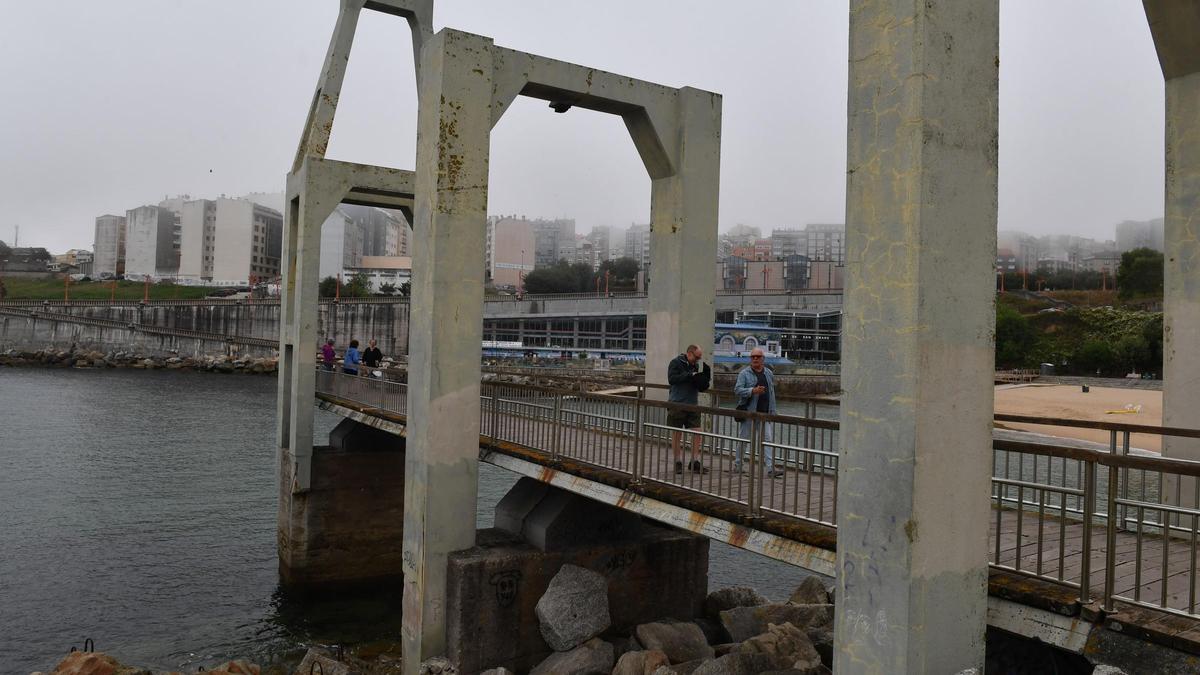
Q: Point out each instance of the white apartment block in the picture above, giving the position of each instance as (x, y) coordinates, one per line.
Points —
(109, 246)
(150, 243)
(230, 242)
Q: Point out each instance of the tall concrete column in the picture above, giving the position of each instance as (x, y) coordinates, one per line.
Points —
(449, 231)
(683, 237)
(299, 328)
(915, 466)
(1176, 30)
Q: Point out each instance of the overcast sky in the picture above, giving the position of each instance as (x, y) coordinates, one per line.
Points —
(110, 105)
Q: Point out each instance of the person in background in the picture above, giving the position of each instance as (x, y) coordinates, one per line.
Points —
(688, 375)
(755, 389)
(328, 356)
(352, 359)
(372, 357)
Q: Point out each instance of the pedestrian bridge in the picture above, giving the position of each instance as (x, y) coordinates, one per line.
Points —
(1082, 537)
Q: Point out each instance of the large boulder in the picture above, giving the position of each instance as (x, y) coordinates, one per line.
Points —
(737, 663)
(316, 661)
(728, 598)
(641, 663)
(438, 665)
(811, 591)
(744, 623)
(594, 657)
(681, 642)
(686, 668)
(89, 663)
(787, 647)
(574, 608)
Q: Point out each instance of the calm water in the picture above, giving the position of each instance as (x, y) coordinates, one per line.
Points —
(138, 509)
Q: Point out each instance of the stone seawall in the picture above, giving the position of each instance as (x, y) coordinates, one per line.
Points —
(194, 329)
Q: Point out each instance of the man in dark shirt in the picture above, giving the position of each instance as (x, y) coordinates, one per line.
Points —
(372, 357)
(688, 375)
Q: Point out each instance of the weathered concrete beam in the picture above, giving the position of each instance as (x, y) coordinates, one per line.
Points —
(312, 194)
(449, 228)
(314, 139)
(915, 466)
(1175, 25)
(683, 235)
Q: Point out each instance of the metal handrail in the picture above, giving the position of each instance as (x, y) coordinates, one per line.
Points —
(1042, 491)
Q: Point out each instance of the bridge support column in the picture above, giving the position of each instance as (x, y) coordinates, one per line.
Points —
(449, 229)
(1176, 30)
(915, 465)
(683, 236)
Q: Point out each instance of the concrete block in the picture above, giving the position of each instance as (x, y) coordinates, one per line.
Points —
(563, 520)
(349, 526)
(516, 505)
(493, 589)
(354, 436)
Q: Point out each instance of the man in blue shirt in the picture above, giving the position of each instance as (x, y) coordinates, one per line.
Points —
(755, 390)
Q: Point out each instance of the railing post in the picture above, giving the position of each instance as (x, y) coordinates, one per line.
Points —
(1089, 510)
(556, 436)
(752, 444)
(638, 443)
(1110, 552)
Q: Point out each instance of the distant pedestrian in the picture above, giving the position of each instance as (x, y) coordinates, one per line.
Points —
(688, 375)
(352, 359)
(755, 390)
(372, 357)
(328, 356)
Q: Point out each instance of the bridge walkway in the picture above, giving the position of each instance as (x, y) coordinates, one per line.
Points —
(1050, 540)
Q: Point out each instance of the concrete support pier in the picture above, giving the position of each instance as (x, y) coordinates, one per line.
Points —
(449, 228)
(1176, 29)
(916, 456)
(348, 527)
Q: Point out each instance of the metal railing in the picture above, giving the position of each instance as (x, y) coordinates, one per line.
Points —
(1051, 504)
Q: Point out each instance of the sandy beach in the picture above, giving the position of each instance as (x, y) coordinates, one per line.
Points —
(1069, 401)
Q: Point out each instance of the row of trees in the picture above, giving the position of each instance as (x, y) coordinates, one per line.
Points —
(359, 286)
(1140, 274)
(564, 277)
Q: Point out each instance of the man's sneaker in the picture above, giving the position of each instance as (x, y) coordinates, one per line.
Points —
(678, 467)
(697, 466)
(775, 473)
(737, 468)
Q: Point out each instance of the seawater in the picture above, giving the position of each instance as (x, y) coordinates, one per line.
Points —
(137, 508)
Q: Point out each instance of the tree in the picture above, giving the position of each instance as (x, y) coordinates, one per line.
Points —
(406, 289)
(328, 287)
(359, 286)
(1014, 338)
(561, 277)
(1132, 352)
(387, 289)
(1140, 273)
(1096, 356)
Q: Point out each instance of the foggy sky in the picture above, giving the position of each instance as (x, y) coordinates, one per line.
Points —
(111, 105)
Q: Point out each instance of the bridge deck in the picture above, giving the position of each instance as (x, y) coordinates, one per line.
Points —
(1031, 536)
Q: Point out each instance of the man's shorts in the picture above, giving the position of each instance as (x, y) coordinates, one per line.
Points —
(684, 419)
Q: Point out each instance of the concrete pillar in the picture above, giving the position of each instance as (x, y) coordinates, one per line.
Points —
(683, 236)
(450, 224)
(915, 464)
(298, 335)
(1176, 30)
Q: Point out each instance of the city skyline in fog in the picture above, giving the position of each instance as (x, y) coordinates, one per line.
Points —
(120, 105)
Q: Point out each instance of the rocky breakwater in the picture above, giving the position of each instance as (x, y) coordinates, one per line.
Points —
(81, 358)
(741, 633)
